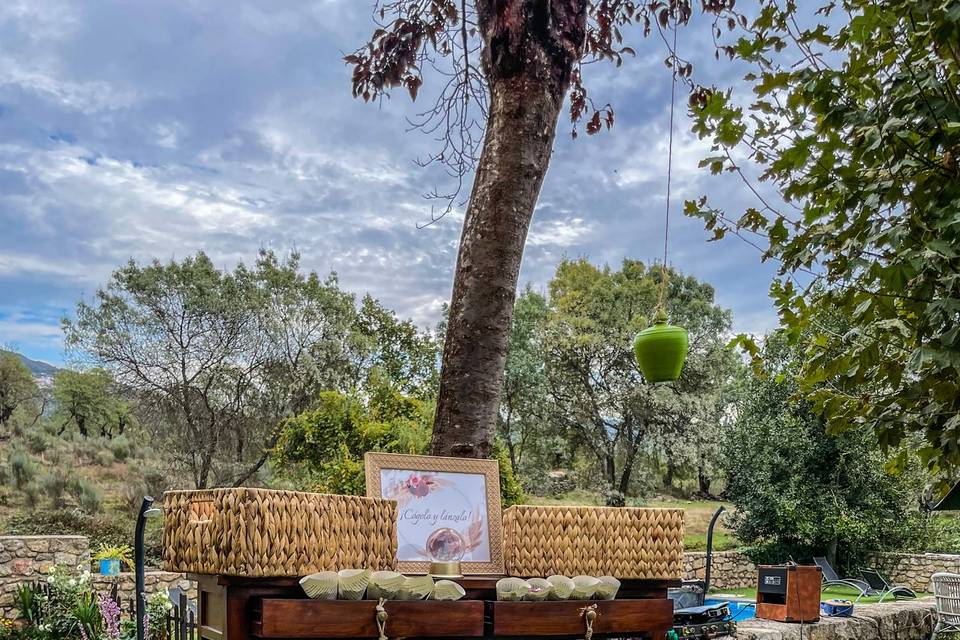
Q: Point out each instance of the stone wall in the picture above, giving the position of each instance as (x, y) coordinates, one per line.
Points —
(731, 569)
(29, 558)
(153, 581)
(903, 620)
(914, 569)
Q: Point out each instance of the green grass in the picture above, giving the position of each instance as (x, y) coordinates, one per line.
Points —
(840, 593)
(696, 518)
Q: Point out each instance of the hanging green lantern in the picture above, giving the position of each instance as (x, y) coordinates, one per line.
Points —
(661, 350)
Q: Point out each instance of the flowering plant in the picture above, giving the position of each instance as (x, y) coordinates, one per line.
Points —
(66, 607)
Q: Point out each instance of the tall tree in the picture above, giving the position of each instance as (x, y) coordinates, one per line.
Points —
(17, 387)
(89, 401)
(596, 386)
(524, 401)
(855, 120)
(507, 66)
(395, 350)
(219, 357)
(800, 491)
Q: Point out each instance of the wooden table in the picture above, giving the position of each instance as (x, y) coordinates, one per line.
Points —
(238, 608)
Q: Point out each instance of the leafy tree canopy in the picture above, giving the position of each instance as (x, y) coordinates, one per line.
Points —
(855, 120)
(324, 447)
(597, 392)
(90, 401)
(17, 386)
(800, 491)
(219, 358)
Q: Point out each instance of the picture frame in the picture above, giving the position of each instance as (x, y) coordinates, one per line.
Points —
(434, 492)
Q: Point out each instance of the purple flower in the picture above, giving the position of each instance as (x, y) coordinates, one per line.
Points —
(110, 612)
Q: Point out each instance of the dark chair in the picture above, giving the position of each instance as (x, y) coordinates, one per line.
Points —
(882, 586)
(832, 579)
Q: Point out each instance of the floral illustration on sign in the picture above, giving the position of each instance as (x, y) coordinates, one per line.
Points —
(416, 485)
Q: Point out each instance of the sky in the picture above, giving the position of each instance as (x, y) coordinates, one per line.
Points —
(152, 130)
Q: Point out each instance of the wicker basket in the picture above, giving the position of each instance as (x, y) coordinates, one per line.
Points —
(258, 532)
(617, 541)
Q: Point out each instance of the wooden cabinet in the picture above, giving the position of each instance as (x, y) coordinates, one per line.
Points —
(233, 608)
(286, 618)
(619, 618)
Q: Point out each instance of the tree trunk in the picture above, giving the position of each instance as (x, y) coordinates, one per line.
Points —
(668, 477)
(610, 464)
(512, 450)
(529, 49)
(627, 470)
(703, 479)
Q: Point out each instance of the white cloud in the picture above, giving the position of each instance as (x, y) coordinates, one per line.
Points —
(229, 128)
(560, 233)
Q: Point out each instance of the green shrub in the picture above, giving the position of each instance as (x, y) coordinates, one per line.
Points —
(58, 456)
(36, 442)
(105, 458)
(111, 529)
(614, 498)
(511, 491)
(940, 534)
(31, 495)
(121, 448)
(22, 469)
(87, 450)
(86, 495)
(798, 490)
(55, 485)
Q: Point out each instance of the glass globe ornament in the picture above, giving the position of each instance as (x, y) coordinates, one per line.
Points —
(446, 548)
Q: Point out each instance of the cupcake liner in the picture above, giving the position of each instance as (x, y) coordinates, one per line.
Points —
(352, 583)
(562, 587)
(321, 585)
(447, 590)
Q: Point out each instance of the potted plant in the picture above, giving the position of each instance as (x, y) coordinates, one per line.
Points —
(110, 558)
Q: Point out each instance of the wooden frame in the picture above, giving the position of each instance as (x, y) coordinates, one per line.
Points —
(442, 473)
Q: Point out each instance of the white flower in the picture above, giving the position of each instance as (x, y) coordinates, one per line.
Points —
(72, 582)
(50, 579)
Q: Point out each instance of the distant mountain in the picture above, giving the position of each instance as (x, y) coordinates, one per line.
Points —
(37, 368)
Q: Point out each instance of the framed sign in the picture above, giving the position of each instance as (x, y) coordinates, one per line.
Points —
(434, 493)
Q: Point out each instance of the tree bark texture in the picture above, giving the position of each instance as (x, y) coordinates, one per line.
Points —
(529, 49)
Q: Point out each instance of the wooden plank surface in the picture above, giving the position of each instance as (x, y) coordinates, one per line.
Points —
(619, 617)
(287, 618)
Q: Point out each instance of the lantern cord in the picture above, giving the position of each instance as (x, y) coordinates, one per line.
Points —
(661, 305)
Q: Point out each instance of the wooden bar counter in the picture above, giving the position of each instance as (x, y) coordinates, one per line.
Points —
(237, 608)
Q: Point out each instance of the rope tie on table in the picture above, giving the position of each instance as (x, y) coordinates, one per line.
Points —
(382, 619)
(589, 614)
